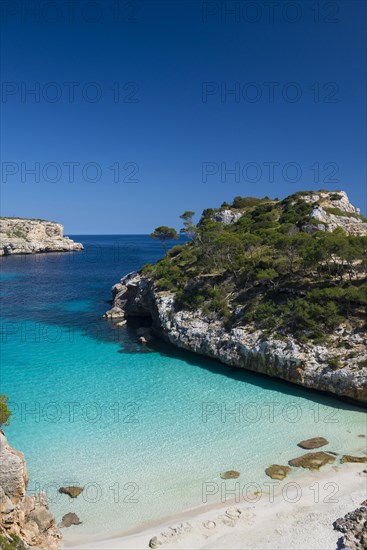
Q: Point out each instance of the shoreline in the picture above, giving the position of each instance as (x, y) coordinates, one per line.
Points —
(305, 510)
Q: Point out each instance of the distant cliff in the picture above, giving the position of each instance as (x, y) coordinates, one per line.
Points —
(25, 521)
(26, 236)
(275, 287)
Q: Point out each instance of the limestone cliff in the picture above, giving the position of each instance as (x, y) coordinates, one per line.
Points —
(336, 364)
(25, 236)
(305, 364)
(23, 516)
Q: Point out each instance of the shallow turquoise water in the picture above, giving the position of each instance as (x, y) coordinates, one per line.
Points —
(141, 430)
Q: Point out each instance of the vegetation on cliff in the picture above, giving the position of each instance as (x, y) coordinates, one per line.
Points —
(274, 266)
(5, 412)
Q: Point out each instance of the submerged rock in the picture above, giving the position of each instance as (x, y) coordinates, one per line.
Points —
(230, 474)
(349, 458)
(276, 471)
(70, 519)
(73, 492)
(313, 443)
(312, 461)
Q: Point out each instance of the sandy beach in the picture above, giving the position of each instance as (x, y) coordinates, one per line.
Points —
(298, 515)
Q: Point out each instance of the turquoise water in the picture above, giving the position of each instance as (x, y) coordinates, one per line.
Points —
(142, 430)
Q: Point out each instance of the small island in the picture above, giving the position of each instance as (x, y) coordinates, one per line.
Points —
(30, 236)
(278, 287)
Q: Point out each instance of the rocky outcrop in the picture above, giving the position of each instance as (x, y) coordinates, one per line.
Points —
(313, 443)
(23, 236)
(226, 216)
(312, 461)
(354, 528)
(337, 366)
(21, 515)
(331, 210)
(277, 471)
(306, 364)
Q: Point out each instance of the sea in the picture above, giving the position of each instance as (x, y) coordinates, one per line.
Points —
(146, 431)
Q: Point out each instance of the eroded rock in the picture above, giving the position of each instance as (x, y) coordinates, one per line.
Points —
(154, 542)
(73, 492)
(349, 458)
(354, 527)
(21, 515)
(70, 519)
(276, 471)
(312, 461)
(313, 443)
(230, 474)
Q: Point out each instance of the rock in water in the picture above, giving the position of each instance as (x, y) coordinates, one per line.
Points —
(313, 443)
(349, 458)
(73, 492)
(70, 519)
(312, 461)
(230, 474)
(276, 471)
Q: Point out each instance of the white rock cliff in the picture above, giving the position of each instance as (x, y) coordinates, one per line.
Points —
(24, 236)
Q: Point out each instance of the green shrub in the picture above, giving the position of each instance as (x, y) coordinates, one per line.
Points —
(5, 412)
(14, 543)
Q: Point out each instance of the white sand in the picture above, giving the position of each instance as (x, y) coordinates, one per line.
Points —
(306, 524)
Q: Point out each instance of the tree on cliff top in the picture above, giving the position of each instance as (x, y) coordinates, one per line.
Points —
(163, 234)
(189, 228)
(5, 412)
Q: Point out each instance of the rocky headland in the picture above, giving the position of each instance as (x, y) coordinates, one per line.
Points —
(25, 521)
(255, 315)
(27, 236)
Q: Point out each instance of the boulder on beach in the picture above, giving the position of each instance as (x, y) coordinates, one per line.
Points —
(312, 461)
(313, 443)
(73, 492)
(70, 519)
(349, 458)
(154, 542)
(230, 474)
(276, 471)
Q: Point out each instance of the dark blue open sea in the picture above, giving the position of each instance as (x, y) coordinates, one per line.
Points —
(140, 429)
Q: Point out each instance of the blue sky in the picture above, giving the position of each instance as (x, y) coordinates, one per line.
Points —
(153, 128)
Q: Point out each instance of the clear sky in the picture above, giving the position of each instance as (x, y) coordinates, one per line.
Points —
(144, 109)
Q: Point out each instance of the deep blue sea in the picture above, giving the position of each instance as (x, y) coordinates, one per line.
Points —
(143, 430)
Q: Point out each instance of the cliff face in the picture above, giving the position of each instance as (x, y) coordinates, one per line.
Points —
(23, 236)
(21, 515)
(305, 364)
(334, 360)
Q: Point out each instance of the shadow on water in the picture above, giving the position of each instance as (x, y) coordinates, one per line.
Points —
(255, 379)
